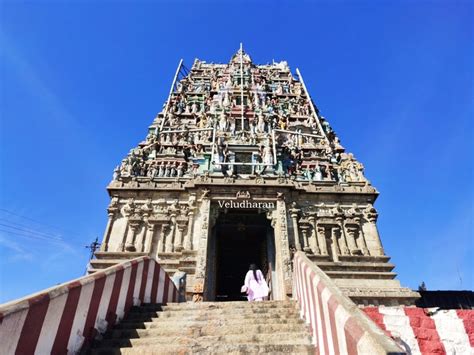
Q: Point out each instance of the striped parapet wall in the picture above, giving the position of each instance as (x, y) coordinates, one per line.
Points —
(337, 324)
(427, 330)
(65, 318)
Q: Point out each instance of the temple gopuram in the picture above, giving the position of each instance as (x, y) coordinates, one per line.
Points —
(240, 166)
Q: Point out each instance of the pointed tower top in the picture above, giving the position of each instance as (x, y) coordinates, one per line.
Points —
(241, 56)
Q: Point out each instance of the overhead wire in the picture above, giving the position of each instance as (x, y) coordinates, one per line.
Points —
(28, 230)
(62, 230)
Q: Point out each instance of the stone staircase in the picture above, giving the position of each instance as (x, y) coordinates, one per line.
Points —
(184, 261)
(366, 280)
(209, 328)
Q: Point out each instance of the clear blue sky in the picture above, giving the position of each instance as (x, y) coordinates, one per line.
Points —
(80, 83)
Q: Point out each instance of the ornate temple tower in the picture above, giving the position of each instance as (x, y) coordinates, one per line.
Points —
(241, 167)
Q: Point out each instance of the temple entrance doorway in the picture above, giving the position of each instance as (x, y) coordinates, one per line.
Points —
(242, 237)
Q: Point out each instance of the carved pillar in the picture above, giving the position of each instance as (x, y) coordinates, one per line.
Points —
(201, 262)
(170, 237)
(341, 237)
(314, 236)
(121, 246)
(132, 231)
(334, 247)
(283, 262)
(351, 244)
(150, 228)
(127, 238)
(140, 242)
(111, 212)
(294, 218)
(163, 237)
(321, 232)
(361, 241)
(178, 241)
(188, 240)
(305, 230)
(341, 242)
(371, 232)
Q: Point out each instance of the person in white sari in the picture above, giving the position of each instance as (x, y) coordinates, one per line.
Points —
(255, 285)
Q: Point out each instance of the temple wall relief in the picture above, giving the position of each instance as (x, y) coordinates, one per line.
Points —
(335, 230)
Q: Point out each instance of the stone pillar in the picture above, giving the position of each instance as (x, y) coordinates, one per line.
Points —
(351, 244)
(321, 232)
(140, 243)
(170, 236)
(361, 241)
(132, 230)
(341, 241)
(294, 218)
(334, 248)
(150, 228)
(314, 236)
(108, 230)
(283, 262)
(201, 263)
(188, 240)
(304, 231)
(178, 240)
(342, 237)
(371, 232)
(163, 237)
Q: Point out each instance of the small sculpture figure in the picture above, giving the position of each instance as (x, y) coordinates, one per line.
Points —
(116, 174)
(222, 122)
(318, 176)
(260, 124)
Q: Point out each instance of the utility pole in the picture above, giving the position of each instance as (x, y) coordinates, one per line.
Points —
(93, 247)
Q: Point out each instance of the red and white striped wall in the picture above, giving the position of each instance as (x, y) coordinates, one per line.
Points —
(338, 326)
(64, 318)
(427, 330)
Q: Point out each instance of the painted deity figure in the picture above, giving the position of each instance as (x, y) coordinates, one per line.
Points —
(256, 100)
(318, 176)
(226, 101)
(267, 155)
(232, 125)
(212, 108)
(117, 173)
(260, 124)
(222, 122)
(179, 170)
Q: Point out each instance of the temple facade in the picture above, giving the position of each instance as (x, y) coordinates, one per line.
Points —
(240, 167)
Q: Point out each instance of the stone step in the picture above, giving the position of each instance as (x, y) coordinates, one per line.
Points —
(361, 275)
(292, 338)
(206, 329)
(169, 322)
(171, 269)
(104, 263)
(118, 255)
(215, 305)
(185, 254)
(189, 262)
(350, 258)
(234, 305)
(362, 266)
(190, 270)
(214, 314)
(217, 349)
